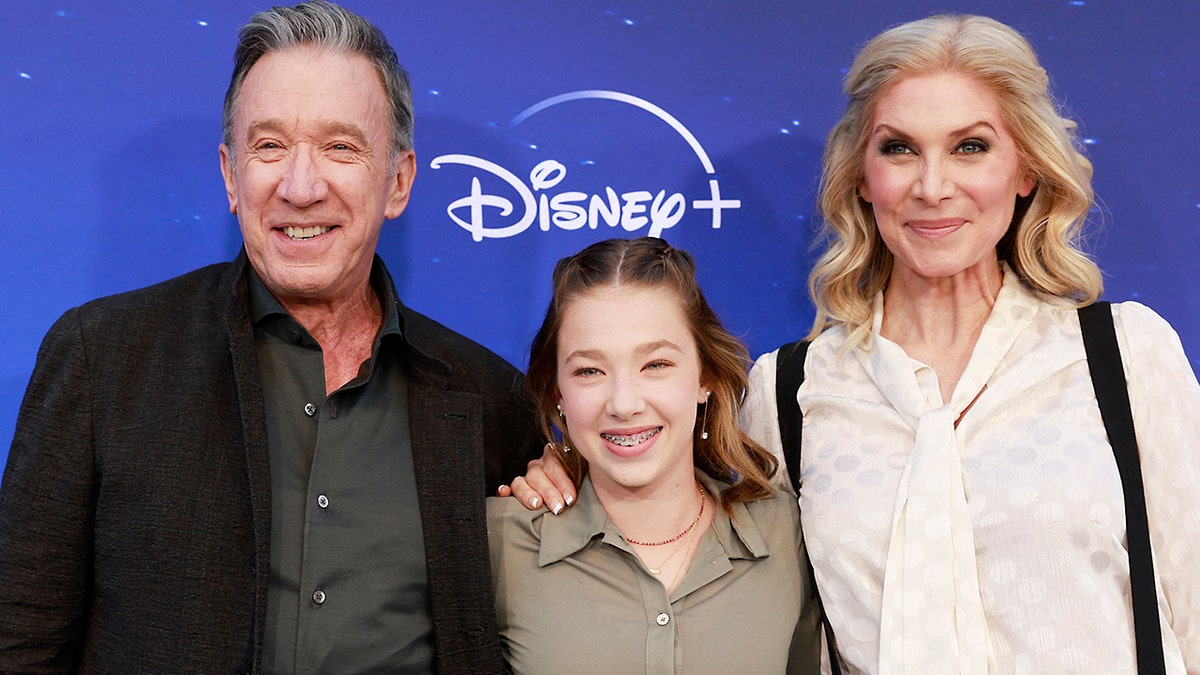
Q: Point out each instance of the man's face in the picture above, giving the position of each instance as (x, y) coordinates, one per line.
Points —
(308, 176)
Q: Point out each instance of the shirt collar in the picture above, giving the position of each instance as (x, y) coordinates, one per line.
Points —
(571, 531)
(911, 386)
(1013, 294)
(263, 305)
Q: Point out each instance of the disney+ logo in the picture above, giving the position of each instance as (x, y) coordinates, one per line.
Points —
(572, 209)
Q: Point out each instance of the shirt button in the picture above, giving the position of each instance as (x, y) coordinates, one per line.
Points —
(662, 619)
(318, 597)
(310, 409)
(323, 501)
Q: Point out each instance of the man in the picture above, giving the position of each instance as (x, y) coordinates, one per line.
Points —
(268, 465)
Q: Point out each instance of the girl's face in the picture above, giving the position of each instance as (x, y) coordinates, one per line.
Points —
(629, 381)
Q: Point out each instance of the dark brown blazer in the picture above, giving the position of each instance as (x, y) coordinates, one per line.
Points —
(135, 512)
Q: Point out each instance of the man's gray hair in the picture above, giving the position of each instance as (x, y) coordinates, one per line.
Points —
(329, 26)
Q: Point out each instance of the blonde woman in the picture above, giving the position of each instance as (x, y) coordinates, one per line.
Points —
(960, 498)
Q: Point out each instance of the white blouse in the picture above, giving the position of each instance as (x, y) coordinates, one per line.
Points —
(1025, 487)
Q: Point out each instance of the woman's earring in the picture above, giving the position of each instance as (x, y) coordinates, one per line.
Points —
(704, 422)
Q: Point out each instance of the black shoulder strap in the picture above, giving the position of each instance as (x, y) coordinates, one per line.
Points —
(1112, 395)
(789, 375)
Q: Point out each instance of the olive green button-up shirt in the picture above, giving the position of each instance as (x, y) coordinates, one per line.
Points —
(572, 596)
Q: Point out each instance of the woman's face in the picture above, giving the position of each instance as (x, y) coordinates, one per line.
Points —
(942, 174)
(629, 381)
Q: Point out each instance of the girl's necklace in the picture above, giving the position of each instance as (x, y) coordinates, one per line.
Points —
(681, 534)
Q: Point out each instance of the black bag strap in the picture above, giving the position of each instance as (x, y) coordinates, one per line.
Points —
(789, 375)
(1112, 395)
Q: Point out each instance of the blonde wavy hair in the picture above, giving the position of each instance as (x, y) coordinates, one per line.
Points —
(1043, 244)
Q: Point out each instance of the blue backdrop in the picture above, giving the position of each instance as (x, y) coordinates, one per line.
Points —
(587, 120)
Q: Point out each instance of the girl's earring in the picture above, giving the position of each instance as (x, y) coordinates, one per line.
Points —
(566, 448)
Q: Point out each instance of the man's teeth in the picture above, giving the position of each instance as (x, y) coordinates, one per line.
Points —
(630, 441)
(305, 232)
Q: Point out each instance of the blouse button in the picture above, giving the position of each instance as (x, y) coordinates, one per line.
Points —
(318, 597)
(323, 501)
(663, 619)
(310, 409)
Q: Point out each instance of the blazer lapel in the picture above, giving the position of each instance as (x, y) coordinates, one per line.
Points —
(447, 440)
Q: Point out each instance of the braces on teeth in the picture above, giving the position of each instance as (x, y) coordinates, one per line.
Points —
(630, 441)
